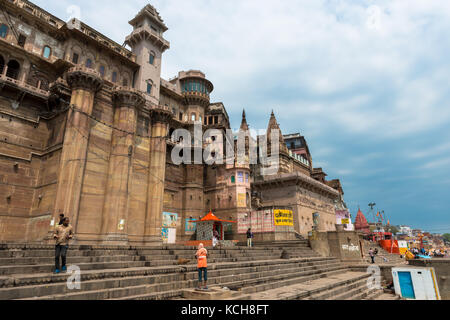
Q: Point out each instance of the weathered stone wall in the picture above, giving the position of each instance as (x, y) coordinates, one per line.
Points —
(344, 245)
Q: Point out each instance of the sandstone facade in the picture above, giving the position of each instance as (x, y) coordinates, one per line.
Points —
(86, 130)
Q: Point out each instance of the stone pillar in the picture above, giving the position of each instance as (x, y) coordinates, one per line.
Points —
(156, 176)
(115, 209)
(84, 83)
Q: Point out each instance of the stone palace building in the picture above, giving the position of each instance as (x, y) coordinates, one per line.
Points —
(86, 127)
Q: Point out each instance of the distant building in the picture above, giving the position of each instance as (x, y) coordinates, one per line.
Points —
(405, 230)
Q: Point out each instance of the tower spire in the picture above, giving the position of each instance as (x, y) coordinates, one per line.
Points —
(273, 125)
(244, 125)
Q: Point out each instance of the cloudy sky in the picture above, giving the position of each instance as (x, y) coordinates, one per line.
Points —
(366, 82)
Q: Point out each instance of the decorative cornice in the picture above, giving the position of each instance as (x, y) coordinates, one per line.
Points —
(160, 114)
(128, 97)
(80, 77)
(297, 178)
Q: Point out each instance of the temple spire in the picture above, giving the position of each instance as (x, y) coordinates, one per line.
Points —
(244, 125)
(273, 125)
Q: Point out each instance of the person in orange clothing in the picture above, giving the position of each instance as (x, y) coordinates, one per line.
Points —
(202, 266)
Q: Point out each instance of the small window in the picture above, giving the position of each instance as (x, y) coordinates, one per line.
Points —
(193, 117)
(75, 58)
(152, 58)
(233, 179)
(102, 70)
(3, 31)
(47, 52)
(246, 177)
(114, 77)
(149, 88)
(240, 177)
(125, 82)
(88, 63)
(22, 40)
(181, 116)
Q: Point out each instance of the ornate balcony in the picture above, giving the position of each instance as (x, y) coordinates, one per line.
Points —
(22, 85)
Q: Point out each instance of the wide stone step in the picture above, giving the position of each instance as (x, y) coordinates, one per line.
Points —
(214, 282)
(384, 296)
(59, 290)
(362, 293)
(70, 259)
(106, 289)
(265, 291)
(71, 251)
(251, 284)
(44, 268)
(343, 291)
(38, 278)
(292, 290)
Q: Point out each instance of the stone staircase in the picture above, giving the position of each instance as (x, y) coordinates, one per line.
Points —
(153, 273)
(337, 286)
(383, 257)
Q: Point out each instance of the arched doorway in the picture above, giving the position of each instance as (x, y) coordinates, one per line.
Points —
(13, 69)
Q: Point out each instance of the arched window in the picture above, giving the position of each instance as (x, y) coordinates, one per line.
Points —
(151, 59)
(102, 70)
(75, 57)
(125, 82)
(46, 53)
(149, 87)
(3, 31)
(2, 64)
(13, 69)
(192, 116)
(114, 77)
(88, 63)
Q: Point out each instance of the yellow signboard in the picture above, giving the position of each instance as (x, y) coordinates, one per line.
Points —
(283, 217)
(241, 200)
(345, 221)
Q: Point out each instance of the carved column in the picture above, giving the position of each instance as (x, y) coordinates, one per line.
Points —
(84, 83)
(115, 209)
(156, 176)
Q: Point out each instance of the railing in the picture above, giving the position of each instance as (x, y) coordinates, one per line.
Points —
(150, 32)
(85, 69)
(196, 94)
(58, 23)
(22, 83)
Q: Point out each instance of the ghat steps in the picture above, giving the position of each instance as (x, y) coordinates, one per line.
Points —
(152, 273)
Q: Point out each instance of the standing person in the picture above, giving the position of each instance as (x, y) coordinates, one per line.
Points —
(215, 237)
(202, 266)
(63, 233)
(249, 237)
(372, 255)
